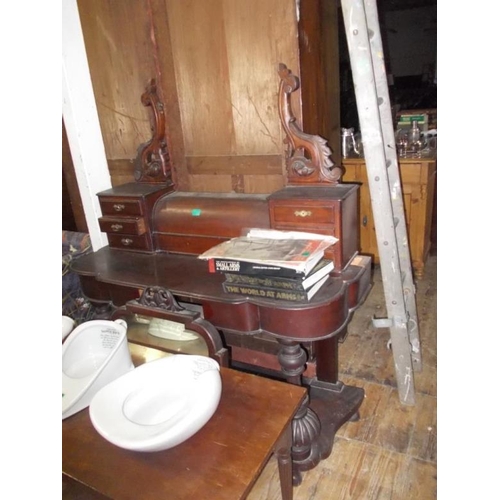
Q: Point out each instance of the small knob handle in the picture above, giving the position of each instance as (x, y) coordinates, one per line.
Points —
(116, 227)
(119, 207)
(365, 221)
(126, 241)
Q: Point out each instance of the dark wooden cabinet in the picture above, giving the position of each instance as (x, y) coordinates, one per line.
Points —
(127, 214)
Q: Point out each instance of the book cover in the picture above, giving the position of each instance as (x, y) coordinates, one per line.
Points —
(286, 249)
(263, 269)
(274, 293)
(322, 268)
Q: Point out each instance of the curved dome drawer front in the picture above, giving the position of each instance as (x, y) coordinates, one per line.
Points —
(193, 222)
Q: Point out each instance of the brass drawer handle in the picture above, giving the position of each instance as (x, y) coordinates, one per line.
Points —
(119, 207)
(116, 227)
(126, 241)
(303, 213)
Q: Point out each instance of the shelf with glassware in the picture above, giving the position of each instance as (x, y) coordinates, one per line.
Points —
(418, 181)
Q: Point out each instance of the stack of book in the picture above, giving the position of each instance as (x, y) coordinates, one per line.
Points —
(279, 265)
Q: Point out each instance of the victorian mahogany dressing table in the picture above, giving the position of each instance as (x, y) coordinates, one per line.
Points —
(151, 268)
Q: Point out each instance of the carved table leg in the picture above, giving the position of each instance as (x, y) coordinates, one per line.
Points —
(329, 405)
(306, 425)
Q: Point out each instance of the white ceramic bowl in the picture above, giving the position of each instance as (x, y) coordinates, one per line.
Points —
(158, 405)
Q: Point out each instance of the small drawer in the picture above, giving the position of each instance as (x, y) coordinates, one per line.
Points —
(303, 214)
(122, 225)
(129, 242)
(115, 206)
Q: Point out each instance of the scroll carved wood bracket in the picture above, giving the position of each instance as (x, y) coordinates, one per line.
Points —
(160, 298)
(308, 156)
(152, 163)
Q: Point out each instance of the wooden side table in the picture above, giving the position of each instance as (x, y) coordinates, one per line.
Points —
(222, 461)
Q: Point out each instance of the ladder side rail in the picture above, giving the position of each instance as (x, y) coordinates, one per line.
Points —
(394, 178)
(380, 195)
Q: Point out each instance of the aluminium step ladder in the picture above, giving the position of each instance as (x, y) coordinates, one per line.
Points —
(375, 118)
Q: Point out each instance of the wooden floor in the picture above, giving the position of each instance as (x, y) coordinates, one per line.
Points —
(390, 453)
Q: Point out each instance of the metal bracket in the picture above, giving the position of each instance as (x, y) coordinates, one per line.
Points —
(389, 322)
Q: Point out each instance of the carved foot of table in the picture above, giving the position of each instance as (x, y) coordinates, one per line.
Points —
(329, 407)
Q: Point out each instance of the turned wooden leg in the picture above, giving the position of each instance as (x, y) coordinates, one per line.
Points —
(292, 358)
(306, 426)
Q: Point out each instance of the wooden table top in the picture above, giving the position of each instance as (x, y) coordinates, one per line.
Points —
(222, 461)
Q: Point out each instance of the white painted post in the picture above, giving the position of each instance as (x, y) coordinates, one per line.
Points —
(82, 122)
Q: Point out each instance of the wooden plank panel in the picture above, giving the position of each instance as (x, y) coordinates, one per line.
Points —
(259, 35)
(263, 183)
(121, 171)
(251, 184)
(231, 165)
(121, 61)
(319, 71)
(210, 183)
(200, 61)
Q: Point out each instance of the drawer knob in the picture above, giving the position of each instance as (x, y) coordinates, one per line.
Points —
(303, 213)
(126, 241)
(119, 207)
(116, 227)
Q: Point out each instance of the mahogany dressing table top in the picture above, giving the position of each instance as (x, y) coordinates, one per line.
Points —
(189, 280)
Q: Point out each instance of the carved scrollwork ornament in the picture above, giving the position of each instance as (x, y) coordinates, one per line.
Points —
(152, 163)
(159, 298)
(308, 156)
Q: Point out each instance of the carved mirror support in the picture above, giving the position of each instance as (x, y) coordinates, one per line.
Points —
(308, 156)
(152, 163)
